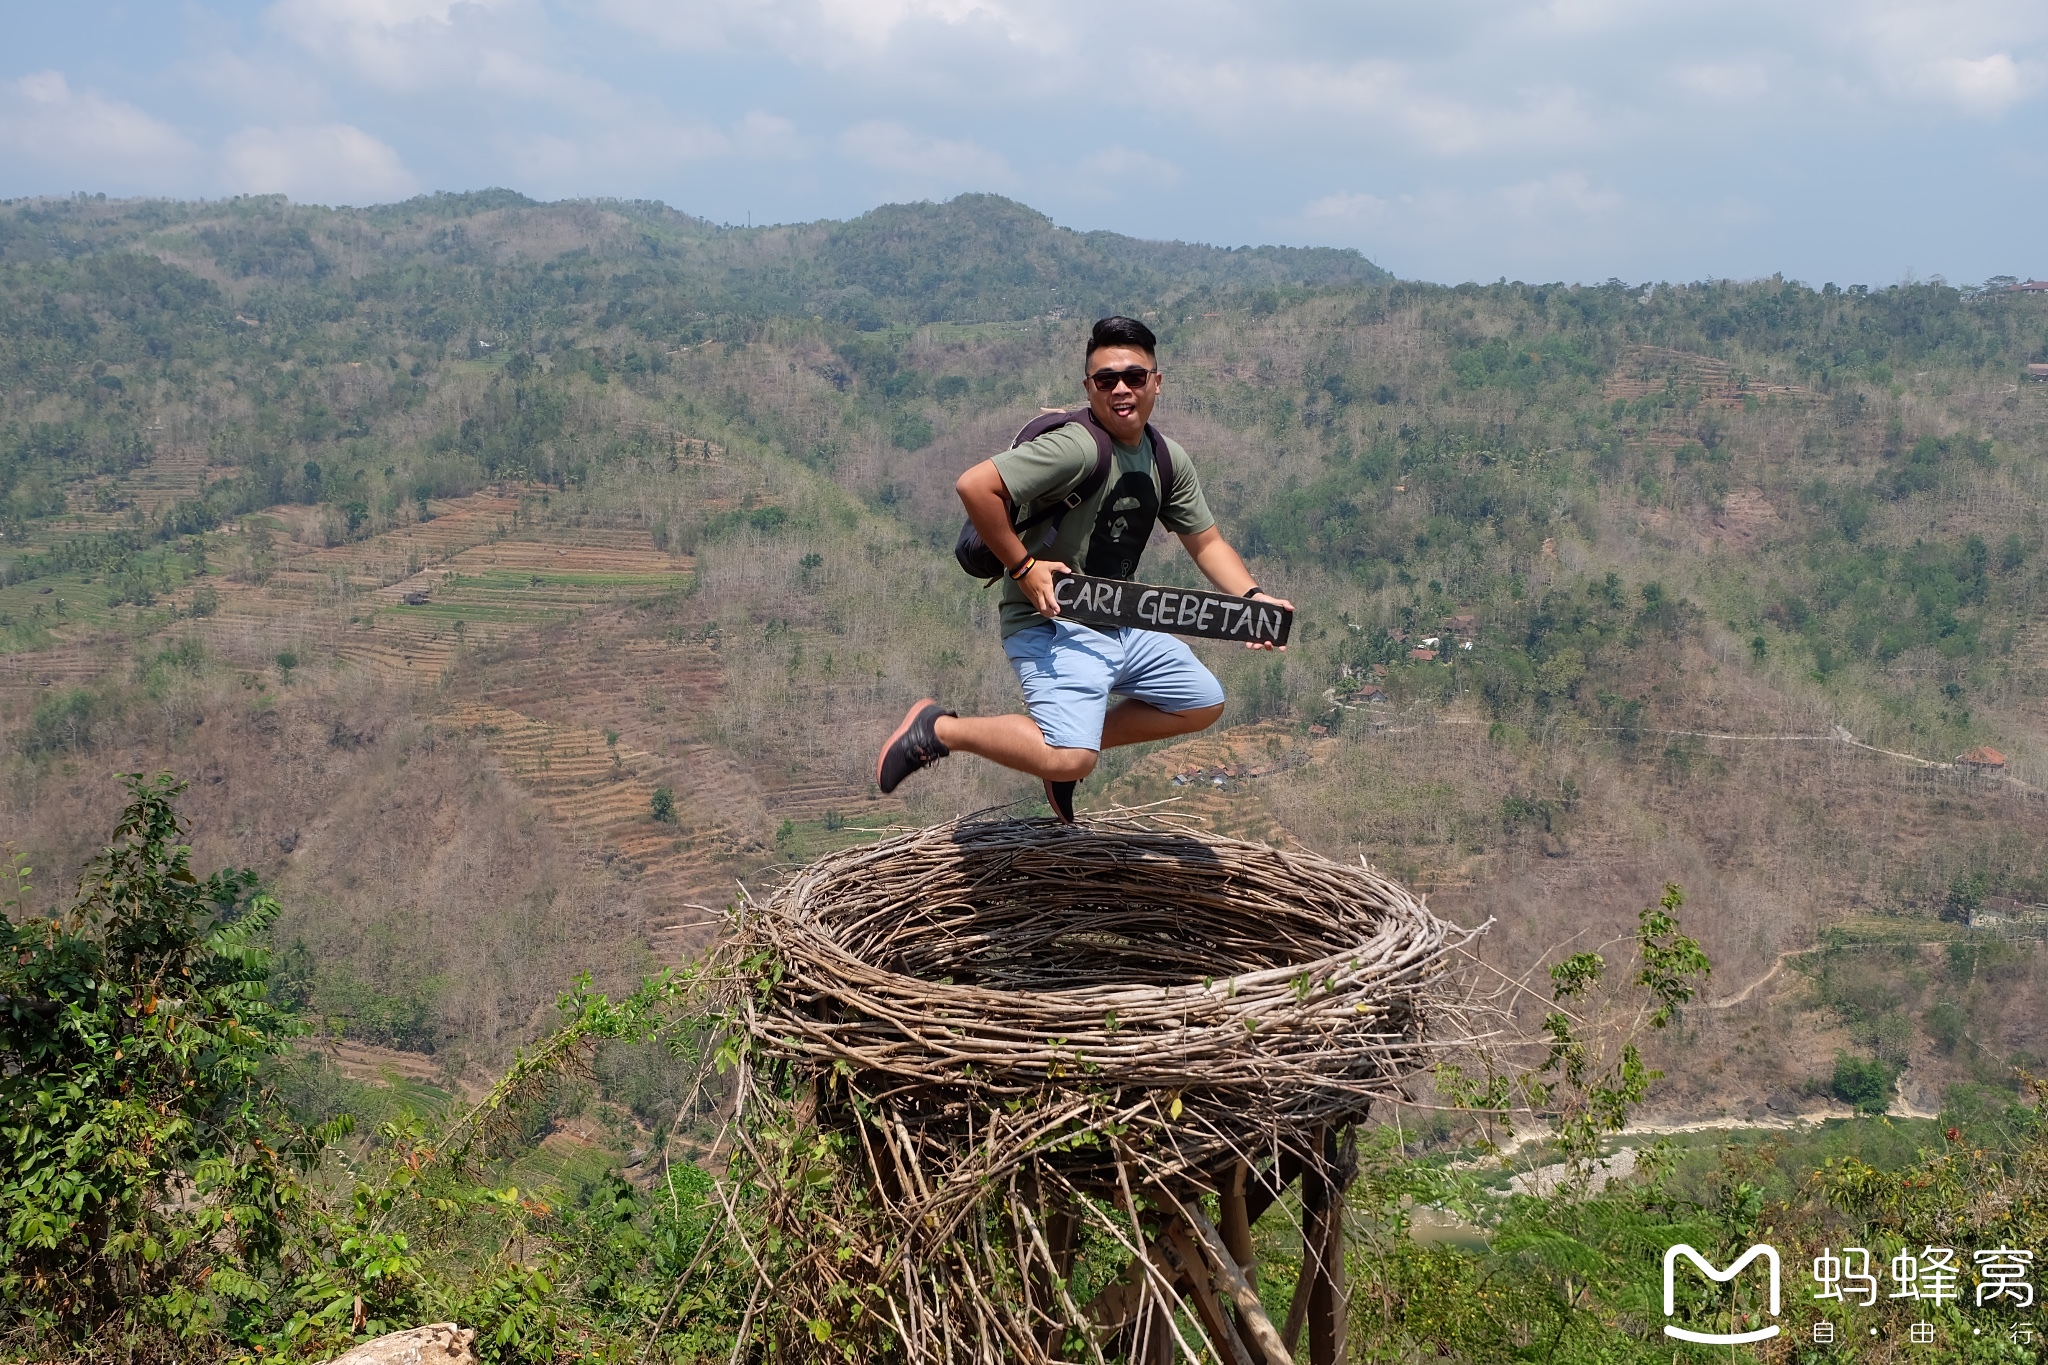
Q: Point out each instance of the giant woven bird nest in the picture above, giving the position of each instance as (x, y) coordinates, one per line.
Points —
(1002, 1017)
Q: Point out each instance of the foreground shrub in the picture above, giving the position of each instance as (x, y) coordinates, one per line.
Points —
(148, 1177)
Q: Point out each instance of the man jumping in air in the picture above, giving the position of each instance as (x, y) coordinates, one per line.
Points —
(1069, 671)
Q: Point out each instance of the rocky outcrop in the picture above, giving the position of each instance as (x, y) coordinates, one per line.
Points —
(440, 1343)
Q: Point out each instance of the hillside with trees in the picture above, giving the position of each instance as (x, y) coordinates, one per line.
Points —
(510, 579)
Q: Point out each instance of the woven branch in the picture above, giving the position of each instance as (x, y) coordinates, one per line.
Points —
(994, 1005)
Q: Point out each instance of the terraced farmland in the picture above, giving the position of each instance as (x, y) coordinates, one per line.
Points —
(600, 789)
(538, 613)
(111, 503)
(1647, 371)
(404, 603)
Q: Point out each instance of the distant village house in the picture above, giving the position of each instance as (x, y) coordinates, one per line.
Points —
(1985, 760)
(2004, 914)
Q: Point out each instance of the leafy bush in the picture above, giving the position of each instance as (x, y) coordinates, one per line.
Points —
(1864, 1083)
(405, 1018)
(910, 431)
(155, 1204)
(68, 722)
(147, 1173)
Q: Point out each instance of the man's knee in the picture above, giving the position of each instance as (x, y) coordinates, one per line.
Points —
(1201, 718)
(1070, 765)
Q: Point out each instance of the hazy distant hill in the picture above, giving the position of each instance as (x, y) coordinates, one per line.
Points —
(975, 258)
(981, 257)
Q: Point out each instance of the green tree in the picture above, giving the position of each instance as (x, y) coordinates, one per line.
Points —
(1864, 1083)
(147, 1172)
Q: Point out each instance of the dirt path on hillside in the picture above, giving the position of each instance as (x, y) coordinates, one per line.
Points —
(1753, 987)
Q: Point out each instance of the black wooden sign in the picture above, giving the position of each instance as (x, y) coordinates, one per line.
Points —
(1178, 611)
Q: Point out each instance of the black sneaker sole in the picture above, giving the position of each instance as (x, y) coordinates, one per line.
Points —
(910, 718)
(1060, 796)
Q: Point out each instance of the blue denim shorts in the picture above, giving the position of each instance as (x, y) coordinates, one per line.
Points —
(1069, 671)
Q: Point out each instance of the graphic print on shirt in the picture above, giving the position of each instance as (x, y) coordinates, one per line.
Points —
(1122, 526)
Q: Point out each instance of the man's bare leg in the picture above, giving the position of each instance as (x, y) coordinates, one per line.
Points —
(1016, 741)
(1137, 722)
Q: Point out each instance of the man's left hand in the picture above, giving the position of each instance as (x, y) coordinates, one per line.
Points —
(1263, 596)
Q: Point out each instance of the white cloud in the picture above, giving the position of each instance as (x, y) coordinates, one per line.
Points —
(266, 89)
(1984, 85)
(1376, 101)
(91, 137)
(1968, 54)
(1737, 210)
(591, 162)
(1731, 82)
(921, 162)
(1116, 169)
(328, 163)
(1565, 195)
(398, 44)
(835, 33)
(501, 54)
(1347, 208)
(768, 137)
(598, 159)
(1519, 225)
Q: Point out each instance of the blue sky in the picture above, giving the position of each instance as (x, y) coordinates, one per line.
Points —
(1845, 140)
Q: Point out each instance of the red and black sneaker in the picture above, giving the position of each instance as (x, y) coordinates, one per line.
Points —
(1060, 796)
(914, 745)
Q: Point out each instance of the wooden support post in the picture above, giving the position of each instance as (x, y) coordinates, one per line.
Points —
(1328, 1303)
(1315, 1196)
(1265, 1187)
(1115, 1306)
(1059, 1235)
(1208, 1264)
(1060, 1230)
(1304, 1288)
(1328, 1306)
(1155, 1336)
(1203, 1293)
(1237, 1237)
(1266, 1342)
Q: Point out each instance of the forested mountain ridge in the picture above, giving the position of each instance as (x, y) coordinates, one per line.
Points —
(976, 258)
(674, 500)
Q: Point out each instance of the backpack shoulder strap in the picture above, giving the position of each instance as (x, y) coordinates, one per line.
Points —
(1041, 424)
(1162, 460)
(1088, 486)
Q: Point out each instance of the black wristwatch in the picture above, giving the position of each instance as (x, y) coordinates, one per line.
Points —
(1253, 591)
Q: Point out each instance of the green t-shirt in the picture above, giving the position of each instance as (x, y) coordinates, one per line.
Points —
(1051, 467)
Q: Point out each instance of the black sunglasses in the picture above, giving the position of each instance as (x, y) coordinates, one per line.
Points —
(1106, 380)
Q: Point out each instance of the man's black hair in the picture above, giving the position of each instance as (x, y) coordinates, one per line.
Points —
(1123, 331)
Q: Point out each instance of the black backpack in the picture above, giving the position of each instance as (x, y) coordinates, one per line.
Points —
(981, 562)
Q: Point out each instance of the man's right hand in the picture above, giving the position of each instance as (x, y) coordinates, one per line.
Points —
(1038, 585)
